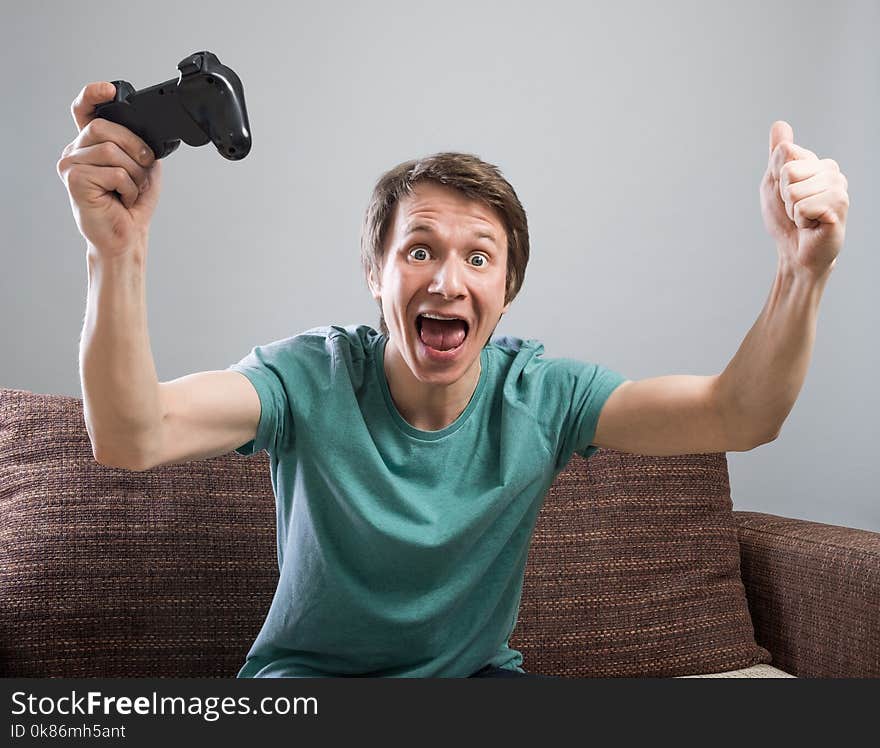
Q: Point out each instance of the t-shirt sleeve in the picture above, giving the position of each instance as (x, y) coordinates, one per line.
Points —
(263, 367)
(588, 386)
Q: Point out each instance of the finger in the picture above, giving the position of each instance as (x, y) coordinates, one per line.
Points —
(785, 152)
(824, 174)
(94, 182)
(780, 131)
(107, 154)
(802, 169)
(101, 130)
(83, 106)
(798, 170)
(794, 193)
(821, 208)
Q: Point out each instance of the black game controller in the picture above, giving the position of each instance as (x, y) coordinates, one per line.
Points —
(206, 102)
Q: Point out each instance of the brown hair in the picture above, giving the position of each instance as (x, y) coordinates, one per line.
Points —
(476, 180)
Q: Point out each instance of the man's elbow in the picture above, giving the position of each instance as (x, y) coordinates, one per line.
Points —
(118, 461)
(761, 441)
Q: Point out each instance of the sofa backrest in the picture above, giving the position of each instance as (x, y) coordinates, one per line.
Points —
(633, 568)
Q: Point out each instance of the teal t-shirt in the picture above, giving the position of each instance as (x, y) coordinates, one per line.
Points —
(401, 552)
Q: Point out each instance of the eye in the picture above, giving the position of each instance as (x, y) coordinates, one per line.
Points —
(423, 255)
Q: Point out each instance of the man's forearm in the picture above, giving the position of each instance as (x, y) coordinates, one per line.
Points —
(118, 376)
(764, 378)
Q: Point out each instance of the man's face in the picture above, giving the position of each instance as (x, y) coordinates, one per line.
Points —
(445, 255)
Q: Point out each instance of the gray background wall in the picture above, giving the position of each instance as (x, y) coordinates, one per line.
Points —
(636, 135)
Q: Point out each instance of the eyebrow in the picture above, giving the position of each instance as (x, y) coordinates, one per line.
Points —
(416, 227)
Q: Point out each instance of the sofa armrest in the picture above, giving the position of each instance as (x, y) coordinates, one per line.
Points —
(814, 594)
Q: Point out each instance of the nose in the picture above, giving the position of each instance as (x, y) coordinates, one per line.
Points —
(448, 280)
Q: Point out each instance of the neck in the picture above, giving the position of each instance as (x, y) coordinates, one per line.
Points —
(426, 406)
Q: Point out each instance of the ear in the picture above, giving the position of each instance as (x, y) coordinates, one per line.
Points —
(506, 307)
(375, 288)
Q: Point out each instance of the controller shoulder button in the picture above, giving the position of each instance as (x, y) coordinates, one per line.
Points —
(191, 65)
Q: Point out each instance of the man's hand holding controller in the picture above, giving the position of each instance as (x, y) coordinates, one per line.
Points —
(112, 169)
(112, 177)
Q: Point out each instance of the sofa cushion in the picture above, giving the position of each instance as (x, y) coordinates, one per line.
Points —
(106, 572)
(634, 570)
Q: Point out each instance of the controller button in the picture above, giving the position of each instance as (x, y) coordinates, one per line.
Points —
(190, 65)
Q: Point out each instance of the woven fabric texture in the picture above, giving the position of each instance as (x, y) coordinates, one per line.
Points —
(111, 573)
(814, 593)
(633, 569)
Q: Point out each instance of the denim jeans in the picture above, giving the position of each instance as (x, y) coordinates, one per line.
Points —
(490, 671)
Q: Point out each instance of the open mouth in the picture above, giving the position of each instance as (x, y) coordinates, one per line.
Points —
(442, 334)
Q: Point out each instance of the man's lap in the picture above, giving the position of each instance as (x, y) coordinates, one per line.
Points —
(490, 671)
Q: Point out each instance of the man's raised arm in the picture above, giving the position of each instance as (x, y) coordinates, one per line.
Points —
(133, 420)
(804, 202)
(114, 182)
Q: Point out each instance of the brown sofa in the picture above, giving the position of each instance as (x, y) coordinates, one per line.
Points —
(638, 567)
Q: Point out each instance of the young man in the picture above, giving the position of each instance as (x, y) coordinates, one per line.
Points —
(409, 464)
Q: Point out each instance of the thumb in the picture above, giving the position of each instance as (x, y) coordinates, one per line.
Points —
(780, 132)
(83, 107)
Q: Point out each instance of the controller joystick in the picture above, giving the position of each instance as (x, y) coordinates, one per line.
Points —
(205, 103)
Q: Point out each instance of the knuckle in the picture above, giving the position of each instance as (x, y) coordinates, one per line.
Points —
(73, 177)
(80, 97)
(107, 149)
(97, 127)
(67, 167)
